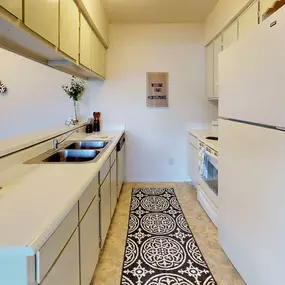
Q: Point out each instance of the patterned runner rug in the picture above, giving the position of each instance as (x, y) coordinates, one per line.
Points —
(160, 247)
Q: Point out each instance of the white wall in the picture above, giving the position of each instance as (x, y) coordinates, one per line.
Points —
(35, 99)
(223, 13)
(155, 136)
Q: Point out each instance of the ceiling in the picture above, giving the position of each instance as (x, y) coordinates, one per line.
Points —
(158, 11)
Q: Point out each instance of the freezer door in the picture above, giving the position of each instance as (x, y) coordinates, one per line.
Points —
(251, 201)
(252, 75)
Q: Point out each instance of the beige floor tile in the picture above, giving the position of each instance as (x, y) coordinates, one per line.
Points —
(108, 271)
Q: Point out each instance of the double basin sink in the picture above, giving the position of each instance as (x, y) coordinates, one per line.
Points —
(72, 152)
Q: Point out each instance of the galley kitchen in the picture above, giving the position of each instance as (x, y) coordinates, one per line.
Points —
(142, 142)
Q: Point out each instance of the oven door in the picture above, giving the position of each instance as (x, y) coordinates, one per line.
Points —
(209, 176)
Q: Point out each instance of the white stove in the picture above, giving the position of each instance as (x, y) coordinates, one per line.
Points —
(208, 181)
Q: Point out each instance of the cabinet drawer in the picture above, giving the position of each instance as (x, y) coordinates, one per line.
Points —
(193, 140)
(87, 197)
(113, 156)
(47, 255)
(104, 170)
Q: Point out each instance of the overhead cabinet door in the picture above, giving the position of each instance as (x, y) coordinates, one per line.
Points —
(42, 17)
(97, 14)
(210, 70)
(13, 6)
(217, 50)
(69, 28)
(102, 56)
(85, 43)
(248, 20)
(230, 35)
(95, 53)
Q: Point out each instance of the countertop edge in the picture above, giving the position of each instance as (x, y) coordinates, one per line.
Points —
(200, 134)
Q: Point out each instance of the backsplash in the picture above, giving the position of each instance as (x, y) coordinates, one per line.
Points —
(35, 99)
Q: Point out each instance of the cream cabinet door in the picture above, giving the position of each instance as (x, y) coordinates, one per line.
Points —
(42, 17)
(230, 35)
(210, 70)
(66, 268)
(217, 50)
(97, 13)
(248, 20)
(105, 208)
(102, 60)
(14, 7)
(196, 172)
(69, 28)
(89, 242)
(114, 194)
(95, 53)
(85, 43)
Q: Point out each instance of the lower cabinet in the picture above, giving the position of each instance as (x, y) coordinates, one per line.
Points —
(114, 192)
(89, 242)
(196, 166)
(105, 208)
(66, 268)
(193, 164)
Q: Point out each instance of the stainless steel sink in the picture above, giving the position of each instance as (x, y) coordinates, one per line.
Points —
(72, 152)
(87, 145)
(72, 156)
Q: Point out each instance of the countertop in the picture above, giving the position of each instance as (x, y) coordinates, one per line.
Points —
(202, 134)
(32, 206)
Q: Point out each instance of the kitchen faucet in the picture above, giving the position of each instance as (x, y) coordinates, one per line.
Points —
(56, 142)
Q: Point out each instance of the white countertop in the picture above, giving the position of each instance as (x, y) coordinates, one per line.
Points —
(32, 206)
(201, 135)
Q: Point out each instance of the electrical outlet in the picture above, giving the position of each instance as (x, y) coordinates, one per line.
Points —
(171, 161)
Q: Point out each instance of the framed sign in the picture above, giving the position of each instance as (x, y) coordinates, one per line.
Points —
(157, 89)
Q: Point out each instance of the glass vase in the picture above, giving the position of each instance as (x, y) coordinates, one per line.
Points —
(75, 111)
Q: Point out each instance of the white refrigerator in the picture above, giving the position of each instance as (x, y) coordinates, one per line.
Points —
(251, 222)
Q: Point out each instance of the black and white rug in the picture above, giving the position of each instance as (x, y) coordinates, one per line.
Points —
(160, 247)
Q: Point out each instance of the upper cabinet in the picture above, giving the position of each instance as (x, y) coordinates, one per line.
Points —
(85, 43)
(210, 70)
(248, 20)
(230, 35)
(69, 28)
(42, 17)
(102, 60)
(97, 14)
(217, 49)
(14, 7)
(69, 35)
(95, 54)
(98, 52)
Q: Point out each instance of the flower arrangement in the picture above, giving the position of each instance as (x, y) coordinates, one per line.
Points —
(75, 90)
